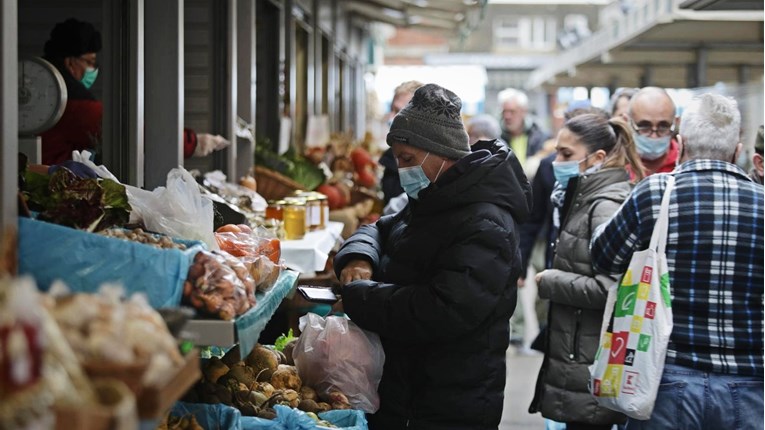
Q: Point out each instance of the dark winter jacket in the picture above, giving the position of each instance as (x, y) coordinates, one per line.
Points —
(540, 222)
(443, 291)
(577, 301)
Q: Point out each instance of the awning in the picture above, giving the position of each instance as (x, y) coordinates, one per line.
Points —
(452, 16)
(657, 42)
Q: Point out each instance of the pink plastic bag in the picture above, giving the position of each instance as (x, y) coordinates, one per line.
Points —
(333, 353)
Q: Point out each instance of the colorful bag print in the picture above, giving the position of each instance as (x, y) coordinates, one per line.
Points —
(637, 323)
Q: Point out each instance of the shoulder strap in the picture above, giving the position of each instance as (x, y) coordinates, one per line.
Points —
(659, 235)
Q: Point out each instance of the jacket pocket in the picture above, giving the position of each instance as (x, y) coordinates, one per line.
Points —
(574, 355)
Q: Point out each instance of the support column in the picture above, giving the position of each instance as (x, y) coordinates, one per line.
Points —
(163, 89)
(702, 55)
(646, 80)
(123, 121)
(245, 76)
(9, 136)
(224, 50)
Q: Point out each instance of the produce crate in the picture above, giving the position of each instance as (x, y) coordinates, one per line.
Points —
(131, 374)
(221, 416)
(116, 409)
(155, 401)
(272, 185)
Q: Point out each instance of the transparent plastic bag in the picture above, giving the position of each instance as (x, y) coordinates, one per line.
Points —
(333, 353)
(177, 210)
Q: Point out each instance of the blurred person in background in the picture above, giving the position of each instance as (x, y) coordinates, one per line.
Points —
(73, 48)
(483, 127)
(591, 183)
(651, 116)
(620, 102)
(713, 374)
(520, 132)
(390, 183)
(437, 280)
(757, 160)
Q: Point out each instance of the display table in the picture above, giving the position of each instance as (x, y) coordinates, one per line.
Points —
(310, 253)
(246, 328)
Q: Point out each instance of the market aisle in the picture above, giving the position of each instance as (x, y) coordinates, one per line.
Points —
(521, 376)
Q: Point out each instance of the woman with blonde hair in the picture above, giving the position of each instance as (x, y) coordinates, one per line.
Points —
(591, 183)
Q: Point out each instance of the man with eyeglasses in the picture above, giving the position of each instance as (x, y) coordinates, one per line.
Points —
(651, 116)
(72, 49)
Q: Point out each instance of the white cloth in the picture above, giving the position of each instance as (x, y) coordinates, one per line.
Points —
(207, 143)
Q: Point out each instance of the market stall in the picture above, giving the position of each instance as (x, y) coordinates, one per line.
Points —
(105, 244)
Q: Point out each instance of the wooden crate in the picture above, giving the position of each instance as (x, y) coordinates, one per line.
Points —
(155, 401)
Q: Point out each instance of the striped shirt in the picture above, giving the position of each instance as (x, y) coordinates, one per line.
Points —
(715, 258)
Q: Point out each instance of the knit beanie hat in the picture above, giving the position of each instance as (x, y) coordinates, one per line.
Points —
(72, 38)
(431, 121)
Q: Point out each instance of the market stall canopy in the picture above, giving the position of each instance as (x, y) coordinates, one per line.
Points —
(450, 16)
(664, 43)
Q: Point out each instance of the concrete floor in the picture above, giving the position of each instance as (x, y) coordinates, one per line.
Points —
(522, 373)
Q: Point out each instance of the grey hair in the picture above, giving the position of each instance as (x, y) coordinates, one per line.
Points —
(510, 94)
(484, 126)
(710, 127)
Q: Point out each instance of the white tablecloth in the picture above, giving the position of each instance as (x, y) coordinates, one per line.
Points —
(310, 253)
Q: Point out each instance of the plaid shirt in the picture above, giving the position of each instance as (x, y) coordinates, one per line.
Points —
(715, 258)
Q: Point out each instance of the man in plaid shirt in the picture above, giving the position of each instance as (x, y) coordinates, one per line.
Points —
(713, 377)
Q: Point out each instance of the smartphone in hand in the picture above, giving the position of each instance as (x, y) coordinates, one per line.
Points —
(317, 294)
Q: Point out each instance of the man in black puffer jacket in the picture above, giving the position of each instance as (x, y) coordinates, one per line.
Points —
(437, 281)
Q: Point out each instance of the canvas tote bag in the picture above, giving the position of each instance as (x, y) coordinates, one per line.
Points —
(637, 323)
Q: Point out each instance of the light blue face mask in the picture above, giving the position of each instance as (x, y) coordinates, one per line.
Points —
(413, 179)
(565, 170)
(89, 77)
(650, 148)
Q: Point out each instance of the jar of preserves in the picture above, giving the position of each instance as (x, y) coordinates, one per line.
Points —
(313, 212)
(293, 213)
(324, 205)
(275, 210)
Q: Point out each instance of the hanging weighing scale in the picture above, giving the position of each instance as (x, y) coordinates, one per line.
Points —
(42, 100)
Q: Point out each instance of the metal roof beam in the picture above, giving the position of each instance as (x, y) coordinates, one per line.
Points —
(660, 45)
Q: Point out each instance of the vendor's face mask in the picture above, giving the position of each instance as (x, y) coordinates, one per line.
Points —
(413, 179)
(89, 77)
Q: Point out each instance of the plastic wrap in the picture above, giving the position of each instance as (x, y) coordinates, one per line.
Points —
(333, 353)
(178, 210)
(85, 260)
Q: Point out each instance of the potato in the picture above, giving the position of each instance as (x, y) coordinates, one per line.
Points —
(286, 377)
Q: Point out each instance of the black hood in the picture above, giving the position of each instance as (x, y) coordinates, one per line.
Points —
(490, 173)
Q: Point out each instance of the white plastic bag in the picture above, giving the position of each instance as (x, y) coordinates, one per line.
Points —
(84, 158)
(637, 323)
(178, 210)
(334, 353)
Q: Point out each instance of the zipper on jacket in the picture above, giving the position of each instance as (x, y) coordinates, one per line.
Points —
(575, 350)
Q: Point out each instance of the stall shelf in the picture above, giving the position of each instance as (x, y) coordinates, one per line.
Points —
(246, 328)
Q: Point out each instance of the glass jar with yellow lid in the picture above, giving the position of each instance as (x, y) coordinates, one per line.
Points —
(294, 217)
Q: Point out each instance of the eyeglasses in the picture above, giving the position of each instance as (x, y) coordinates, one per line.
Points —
(645, 128)
(91, 62)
